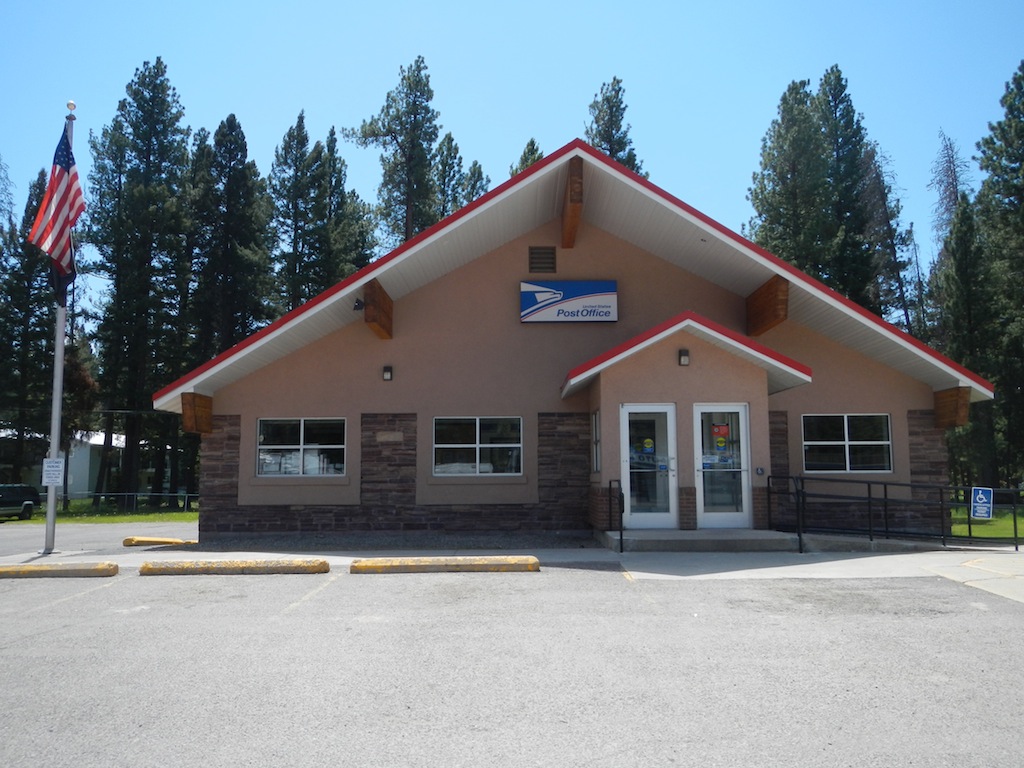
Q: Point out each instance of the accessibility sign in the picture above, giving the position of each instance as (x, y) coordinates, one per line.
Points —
(981, 503)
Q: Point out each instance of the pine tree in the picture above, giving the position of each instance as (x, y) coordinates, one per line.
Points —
(607, 130)
(342, 224)
(476, 183)
(823, 200)
(790, 191)
(137, 225)
(969, 328)
(406, 130)
(449, 177)
(949, 180)
(850, 264)
(1000, 205)
(531, 154)
(26, 338)
(234, 288)
(888, 242)
(292, 188)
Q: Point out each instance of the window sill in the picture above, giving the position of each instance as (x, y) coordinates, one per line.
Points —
(477, 480)
(300, 480)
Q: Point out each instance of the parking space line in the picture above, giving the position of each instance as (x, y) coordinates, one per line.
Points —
(66, 598)
(313, 592)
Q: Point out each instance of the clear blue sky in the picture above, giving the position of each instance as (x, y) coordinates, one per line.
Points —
(702, 80)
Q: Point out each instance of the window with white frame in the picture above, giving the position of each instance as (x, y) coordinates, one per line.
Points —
(476, 446)
(847, 442)
(301, 447)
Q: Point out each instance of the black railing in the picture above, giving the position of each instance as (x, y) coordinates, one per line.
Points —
(141, 502)
(873, 508)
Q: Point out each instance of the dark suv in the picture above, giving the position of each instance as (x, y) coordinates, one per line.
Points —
(18, 501)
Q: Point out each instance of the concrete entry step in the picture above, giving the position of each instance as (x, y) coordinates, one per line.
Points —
(707, 540)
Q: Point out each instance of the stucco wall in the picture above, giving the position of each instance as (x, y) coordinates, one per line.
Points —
(845, 382)
(459, 349)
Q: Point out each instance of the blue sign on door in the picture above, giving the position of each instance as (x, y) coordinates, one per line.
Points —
(981, 503)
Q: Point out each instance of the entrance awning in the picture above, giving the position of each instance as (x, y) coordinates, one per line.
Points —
(783, 372)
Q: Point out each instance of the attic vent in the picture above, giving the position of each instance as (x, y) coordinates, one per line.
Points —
(542, 258)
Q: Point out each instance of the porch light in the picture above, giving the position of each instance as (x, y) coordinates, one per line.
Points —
(684, 357)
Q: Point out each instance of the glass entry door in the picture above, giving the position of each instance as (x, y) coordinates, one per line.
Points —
(722, 472)
(649, 466)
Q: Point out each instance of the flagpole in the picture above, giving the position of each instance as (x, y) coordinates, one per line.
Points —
(55, 412)
(58, 386)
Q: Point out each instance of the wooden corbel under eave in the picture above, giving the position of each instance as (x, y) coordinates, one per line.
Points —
(572, 206)
(196, 413)
(768, 306)
(378, 309)
(952, 407)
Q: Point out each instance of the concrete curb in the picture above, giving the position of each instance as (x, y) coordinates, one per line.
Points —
(491, 563)
(232, 567)
(155, 541)
(58, 570)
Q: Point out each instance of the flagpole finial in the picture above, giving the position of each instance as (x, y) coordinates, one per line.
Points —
(71, 109)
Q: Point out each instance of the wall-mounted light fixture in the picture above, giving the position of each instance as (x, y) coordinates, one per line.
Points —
(358, 305)
(388, 373)
(684, 357)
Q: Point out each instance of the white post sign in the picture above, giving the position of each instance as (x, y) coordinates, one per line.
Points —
(53, 472)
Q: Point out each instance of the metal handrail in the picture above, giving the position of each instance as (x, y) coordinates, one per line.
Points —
(803, 489)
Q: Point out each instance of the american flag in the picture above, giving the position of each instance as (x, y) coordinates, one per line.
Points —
(62, 204)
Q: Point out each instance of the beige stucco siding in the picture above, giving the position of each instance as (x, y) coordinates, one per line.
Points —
(459, 349)
(845, 382)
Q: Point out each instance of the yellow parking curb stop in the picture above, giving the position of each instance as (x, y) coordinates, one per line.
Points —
(151, 541)
(232, 567)
(486, 563)
(57, 570)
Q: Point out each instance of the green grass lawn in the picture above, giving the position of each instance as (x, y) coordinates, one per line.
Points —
(83, 511)
(999, 527)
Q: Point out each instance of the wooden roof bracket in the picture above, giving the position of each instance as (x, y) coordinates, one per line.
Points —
(378, 309)
(572, 205)
(952, 407)
(768, 306)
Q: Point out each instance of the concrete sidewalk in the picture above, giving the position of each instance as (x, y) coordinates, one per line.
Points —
(998, 571)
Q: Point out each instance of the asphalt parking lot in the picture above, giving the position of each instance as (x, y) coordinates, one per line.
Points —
(598, 659)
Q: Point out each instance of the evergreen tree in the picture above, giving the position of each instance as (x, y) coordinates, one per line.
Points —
(292, 187)
(26, 339)
(342, 223)
(790, 191)
(607, 130)
(969, 331)
(476, 183)
(823, 201)
(531, 154)
(406, 130)
(1000, 207)
(449, 177)
(887, 241)
(6, 195)
(137, 225)
(949, 180)
(851, 267)
(234, 286)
